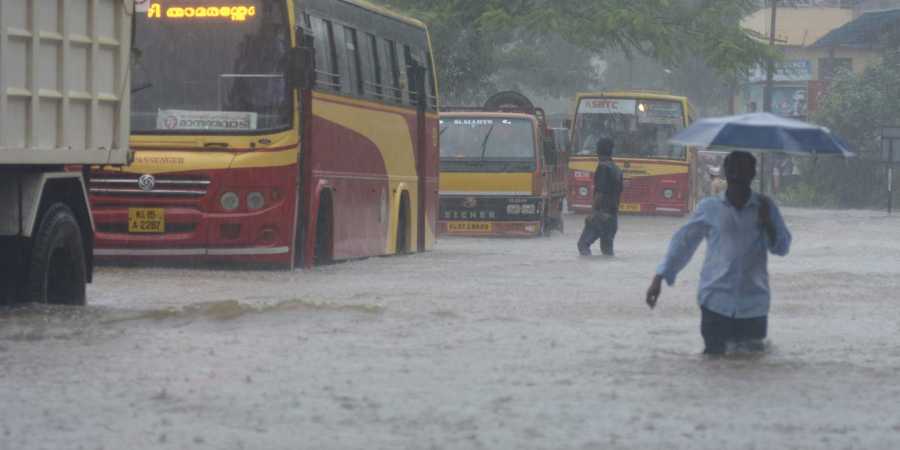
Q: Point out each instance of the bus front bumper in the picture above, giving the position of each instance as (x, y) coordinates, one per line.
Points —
(257, 237)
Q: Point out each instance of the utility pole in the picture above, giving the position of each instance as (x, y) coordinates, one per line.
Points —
(770, 65)
(767, 94)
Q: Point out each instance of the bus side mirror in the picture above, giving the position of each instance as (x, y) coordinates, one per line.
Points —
(301, 68)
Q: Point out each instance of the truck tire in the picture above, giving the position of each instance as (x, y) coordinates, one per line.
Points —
(56, 267)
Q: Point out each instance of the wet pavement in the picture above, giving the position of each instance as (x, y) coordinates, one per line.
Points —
(481, 344)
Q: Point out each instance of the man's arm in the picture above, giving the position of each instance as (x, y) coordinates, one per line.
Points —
(778, 236)
(681, 249)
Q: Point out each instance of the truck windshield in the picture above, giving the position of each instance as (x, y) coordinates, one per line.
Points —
(640, 128)
(487, 139)
(210, 67)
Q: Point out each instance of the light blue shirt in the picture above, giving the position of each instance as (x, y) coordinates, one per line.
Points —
(735, 277)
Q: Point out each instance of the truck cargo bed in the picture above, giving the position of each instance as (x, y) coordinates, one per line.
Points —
(64, 81)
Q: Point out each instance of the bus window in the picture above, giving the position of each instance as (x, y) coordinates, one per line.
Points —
(640, 128)
(355, 78)
(334, 67)
(374, 67)
(193, 76)
(410, 63)
(325, 77)
(394, 63)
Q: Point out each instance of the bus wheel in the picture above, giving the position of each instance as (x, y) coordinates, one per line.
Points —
(56, 269)
(324, 231)
(403, 226)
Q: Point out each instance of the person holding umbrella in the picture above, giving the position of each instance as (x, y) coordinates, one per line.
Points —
(741, 227)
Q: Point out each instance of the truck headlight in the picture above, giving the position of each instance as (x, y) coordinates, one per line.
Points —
(513, 209)
(529, 209)
(230, 201)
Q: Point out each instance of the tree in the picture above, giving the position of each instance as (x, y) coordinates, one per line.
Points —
(474, 39)
(855, 108)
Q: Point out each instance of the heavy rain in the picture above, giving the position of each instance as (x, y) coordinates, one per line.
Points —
(412, 224)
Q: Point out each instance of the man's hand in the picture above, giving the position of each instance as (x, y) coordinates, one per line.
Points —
(654, 291)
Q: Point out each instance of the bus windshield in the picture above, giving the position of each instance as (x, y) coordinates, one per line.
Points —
(210, 67)
(639, 128)
(487, 139)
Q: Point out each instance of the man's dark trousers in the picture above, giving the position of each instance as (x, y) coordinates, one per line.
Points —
(718, 330)
(602, 226)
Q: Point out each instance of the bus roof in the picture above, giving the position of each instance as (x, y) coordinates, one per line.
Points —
(633, 94)
(386, 12)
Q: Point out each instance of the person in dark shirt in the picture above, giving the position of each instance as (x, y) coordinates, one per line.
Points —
(603, 223)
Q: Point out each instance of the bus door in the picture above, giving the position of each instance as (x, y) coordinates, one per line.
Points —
(422, 158)
(304, 68)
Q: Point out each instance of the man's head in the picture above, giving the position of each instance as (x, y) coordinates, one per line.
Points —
(605, 147)
(740, 168)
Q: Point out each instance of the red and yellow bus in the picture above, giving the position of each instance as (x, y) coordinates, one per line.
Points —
(277, 132)
(657, 174)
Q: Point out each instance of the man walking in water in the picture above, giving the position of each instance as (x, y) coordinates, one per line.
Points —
(603, 223)
(741, 227)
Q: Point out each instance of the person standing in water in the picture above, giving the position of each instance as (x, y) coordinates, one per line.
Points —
(603, 223)
(741, 227)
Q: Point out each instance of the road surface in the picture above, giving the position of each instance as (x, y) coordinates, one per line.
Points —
(481, 344)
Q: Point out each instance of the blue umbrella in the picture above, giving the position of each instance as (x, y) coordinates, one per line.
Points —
(762, 132)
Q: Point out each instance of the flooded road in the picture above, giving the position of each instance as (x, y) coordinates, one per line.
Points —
(482, 344)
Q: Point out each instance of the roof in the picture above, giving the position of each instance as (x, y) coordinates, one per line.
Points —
(798, 27)
(648, 95)
(864, 32)
(386, 12)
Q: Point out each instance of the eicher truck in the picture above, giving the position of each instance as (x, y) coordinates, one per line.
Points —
(64, 104)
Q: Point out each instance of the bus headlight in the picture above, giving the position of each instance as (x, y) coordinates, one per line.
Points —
(230, 201)
(529, 209)
(668, 193)
(583, 191)
(513, 209)
(256, 200)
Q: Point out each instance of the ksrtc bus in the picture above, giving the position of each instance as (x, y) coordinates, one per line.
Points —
(275, 131)
(657, 174)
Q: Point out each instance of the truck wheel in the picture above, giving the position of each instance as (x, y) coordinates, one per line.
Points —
(56, 269)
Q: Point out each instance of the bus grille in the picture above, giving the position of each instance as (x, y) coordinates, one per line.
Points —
(128, 185)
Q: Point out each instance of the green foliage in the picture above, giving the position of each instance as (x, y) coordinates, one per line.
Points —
(856, 108)
(805, 195)
(548, 44)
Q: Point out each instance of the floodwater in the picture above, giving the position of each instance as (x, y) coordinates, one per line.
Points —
(481, 344)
